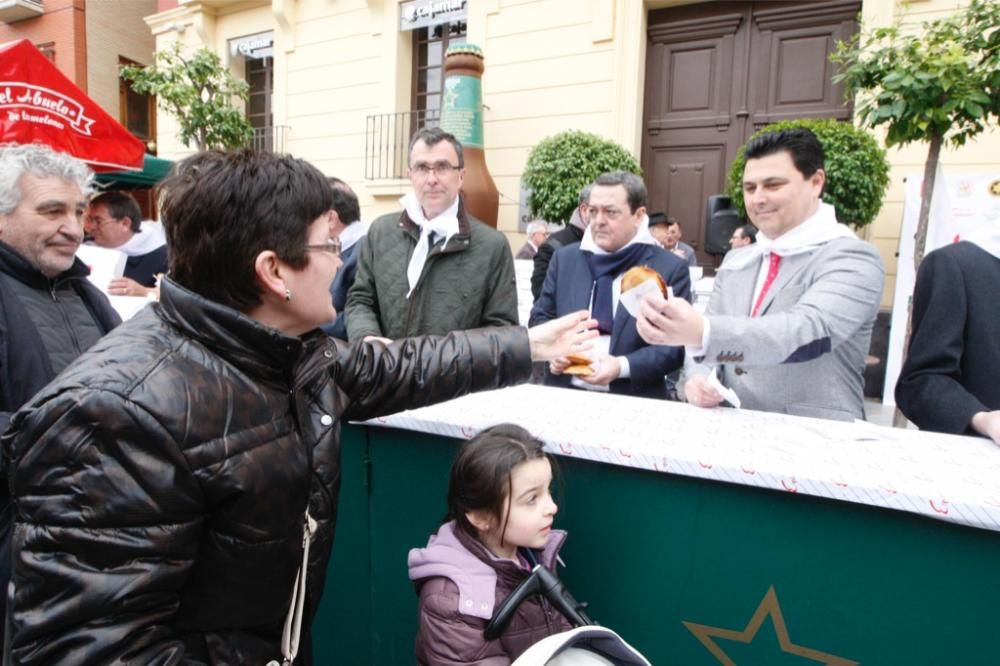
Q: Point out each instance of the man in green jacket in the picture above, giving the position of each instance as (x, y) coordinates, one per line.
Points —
(432, 268)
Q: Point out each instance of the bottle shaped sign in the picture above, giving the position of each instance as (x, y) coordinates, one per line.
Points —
(462, 115)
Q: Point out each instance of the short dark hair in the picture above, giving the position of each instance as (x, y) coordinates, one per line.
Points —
(345, 201)
(480, 476)
(222, 209)
(433, 135)
(800, 143)
(671, 221)
(748, 231)
(635, 189)
(120, 205)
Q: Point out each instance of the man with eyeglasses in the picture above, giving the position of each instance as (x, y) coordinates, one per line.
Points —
(432, 268)
(588, 275)
(114, 221)
(743, 236)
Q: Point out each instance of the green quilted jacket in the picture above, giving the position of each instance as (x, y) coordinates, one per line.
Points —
(466, 283)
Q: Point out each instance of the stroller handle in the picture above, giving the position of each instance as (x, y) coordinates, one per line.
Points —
(543, 582)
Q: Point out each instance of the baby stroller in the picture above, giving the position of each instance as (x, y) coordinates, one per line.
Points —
(588, 644)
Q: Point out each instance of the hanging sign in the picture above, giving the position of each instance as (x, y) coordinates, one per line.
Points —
(423, 13)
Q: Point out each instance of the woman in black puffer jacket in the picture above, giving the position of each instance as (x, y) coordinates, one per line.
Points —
(161, 485)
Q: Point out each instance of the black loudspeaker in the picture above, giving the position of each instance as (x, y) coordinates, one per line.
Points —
(721, 223)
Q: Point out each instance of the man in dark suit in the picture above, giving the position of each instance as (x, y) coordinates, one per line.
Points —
(949, 382)
(345, 225)
(588, 274)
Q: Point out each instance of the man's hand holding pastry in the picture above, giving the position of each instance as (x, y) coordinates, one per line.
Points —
(672, 321)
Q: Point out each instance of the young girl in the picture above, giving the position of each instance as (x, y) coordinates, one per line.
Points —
(499, 523)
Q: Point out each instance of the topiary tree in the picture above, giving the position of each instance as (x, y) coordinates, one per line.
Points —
(197, 90)
(561, 165)
(940, 85)
(857, 172)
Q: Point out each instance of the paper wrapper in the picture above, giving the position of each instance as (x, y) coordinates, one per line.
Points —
(632, 299)
(727, 393)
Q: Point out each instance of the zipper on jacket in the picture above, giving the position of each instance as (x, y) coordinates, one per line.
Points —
(65, 317)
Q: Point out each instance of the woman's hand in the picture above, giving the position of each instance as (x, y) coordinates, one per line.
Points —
(561, 337)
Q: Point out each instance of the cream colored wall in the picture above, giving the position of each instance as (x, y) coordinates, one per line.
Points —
(979, 156)
(551, 65)
(197, 24)
(115, 28)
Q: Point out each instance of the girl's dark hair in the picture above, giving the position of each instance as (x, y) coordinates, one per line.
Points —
(480, 475)
(221, 209)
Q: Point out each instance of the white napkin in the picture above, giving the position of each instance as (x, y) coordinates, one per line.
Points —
(632, 299)
(727, 393)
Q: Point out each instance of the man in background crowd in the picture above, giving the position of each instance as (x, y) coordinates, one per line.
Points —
(432, 268)
(571, 233)
(667, 231)
(743, 236)
(537, 232)
(345, 226)
(790, 318)
(114, 221)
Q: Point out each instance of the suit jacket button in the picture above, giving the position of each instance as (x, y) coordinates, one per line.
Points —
(740, 371)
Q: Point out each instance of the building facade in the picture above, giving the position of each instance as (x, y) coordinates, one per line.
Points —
(681, 84)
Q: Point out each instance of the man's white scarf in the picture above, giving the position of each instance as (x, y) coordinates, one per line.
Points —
(150, 238)
(352, 233)
(819, 229)
(445, 224)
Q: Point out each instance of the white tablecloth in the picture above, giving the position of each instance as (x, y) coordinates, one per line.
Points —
(947, 477)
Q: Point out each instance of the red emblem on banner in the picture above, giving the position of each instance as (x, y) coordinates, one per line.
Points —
(38, 104)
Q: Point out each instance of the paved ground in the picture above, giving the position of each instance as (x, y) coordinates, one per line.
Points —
(880, 414)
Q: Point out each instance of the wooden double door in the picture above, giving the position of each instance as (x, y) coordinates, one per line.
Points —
(716, 72)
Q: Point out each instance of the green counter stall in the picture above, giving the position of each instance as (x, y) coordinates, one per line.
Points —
(688, 570)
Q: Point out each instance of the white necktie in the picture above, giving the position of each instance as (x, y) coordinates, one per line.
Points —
(419, 258)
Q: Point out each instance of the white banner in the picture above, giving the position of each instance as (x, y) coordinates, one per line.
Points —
(961, 203)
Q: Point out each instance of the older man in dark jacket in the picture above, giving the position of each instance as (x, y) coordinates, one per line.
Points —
(178, 481)
(49, 312)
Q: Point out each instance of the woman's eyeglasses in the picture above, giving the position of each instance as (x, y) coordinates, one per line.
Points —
(332, 245)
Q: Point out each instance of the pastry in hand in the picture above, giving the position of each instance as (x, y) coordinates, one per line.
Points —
(578, 365)
(638, 274)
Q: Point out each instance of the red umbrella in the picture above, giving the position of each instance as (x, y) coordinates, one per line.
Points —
(38, 104)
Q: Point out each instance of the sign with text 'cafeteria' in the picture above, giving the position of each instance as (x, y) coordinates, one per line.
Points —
(253, 46)
(422, 13)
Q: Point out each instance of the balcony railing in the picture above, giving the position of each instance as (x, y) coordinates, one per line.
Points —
(270, 139)
(387, 139)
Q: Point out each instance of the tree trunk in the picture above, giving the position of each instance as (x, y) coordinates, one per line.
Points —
(927, 192)
(919, 244)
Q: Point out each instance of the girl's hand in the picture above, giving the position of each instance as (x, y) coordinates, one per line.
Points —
(560, 337)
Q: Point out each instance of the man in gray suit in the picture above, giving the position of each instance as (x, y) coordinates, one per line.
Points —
(790, 317)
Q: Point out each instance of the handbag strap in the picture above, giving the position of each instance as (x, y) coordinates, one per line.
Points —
(292, 631)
